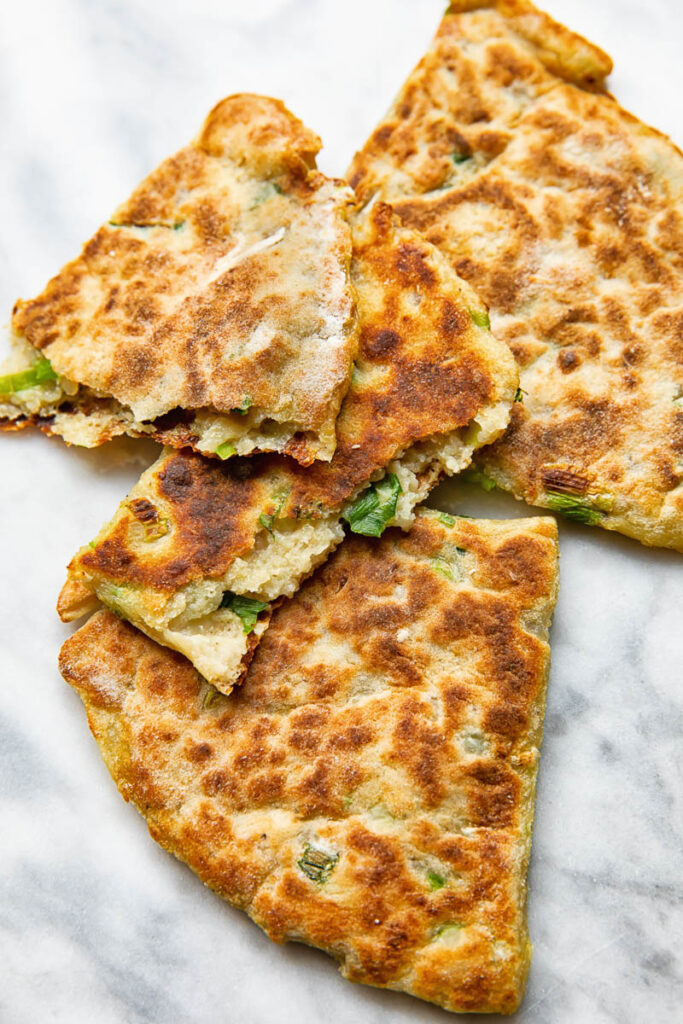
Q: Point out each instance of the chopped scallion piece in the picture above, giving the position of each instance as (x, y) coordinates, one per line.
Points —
(316, 864)
(176, 226)
(440, 565)
(211, 696)
(226, 450)
(459, 158)
(581, 510)
(519, 395)
(481, 318)
(446, 519)
(475, 476)
(247, 608)
(157, 530)
(40, 373)
(244, 406)
(267, 521)
(373, 511)
(448, 931)
(435, 880)
(269, 189)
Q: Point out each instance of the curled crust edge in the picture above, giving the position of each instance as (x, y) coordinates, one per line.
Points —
(565, 53)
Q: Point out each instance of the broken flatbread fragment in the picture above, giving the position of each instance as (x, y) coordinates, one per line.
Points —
(566, 214)
(429, 386)
(369, 790)
(218, 296)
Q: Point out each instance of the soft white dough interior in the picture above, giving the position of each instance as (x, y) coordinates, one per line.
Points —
(191, 620)
(44, 398)
(215, 644)
(255, 431)
(280, 560)
(420, 467)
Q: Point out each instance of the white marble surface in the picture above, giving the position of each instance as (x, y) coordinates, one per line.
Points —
(96, 923)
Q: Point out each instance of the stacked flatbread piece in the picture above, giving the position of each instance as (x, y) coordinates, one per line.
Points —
(214, 310)
(314, 362)
(236, 280)
(369, 788)
(566, 214)
(199, 549)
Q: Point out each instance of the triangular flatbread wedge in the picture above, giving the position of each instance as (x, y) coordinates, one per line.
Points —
(218, 296)
(370, 788)
(566, 214)
(198, 550)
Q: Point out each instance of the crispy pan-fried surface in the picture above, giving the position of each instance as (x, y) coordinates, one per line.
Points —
(429, 386)
(220, 288)
(369, 789)
(565, 213)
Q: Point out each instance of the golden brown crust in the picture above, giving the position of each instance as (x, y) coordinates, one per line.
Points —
(423, 367)
(223, 280)
(210, 514)
(566, 214)
(564, 52)
(424, 371)
(390, 723)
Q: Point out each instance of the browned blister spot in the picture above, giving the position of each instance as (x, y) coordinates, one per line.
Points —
(568, 360)
(212, 512)
(420, 749)
(143, 510)
(199, 753)
(493, 796)
(565, 481)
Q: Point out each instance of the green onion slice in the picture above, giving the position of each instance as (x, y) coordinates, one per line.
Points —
(373, 511)
(581, 510)
(475, 476)
(267, 519)
(481, 318)
(247, 608)
(316, 864)
(226, 450)
(440, 565)
(211, 696)
(40, 373)
(244, 406)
